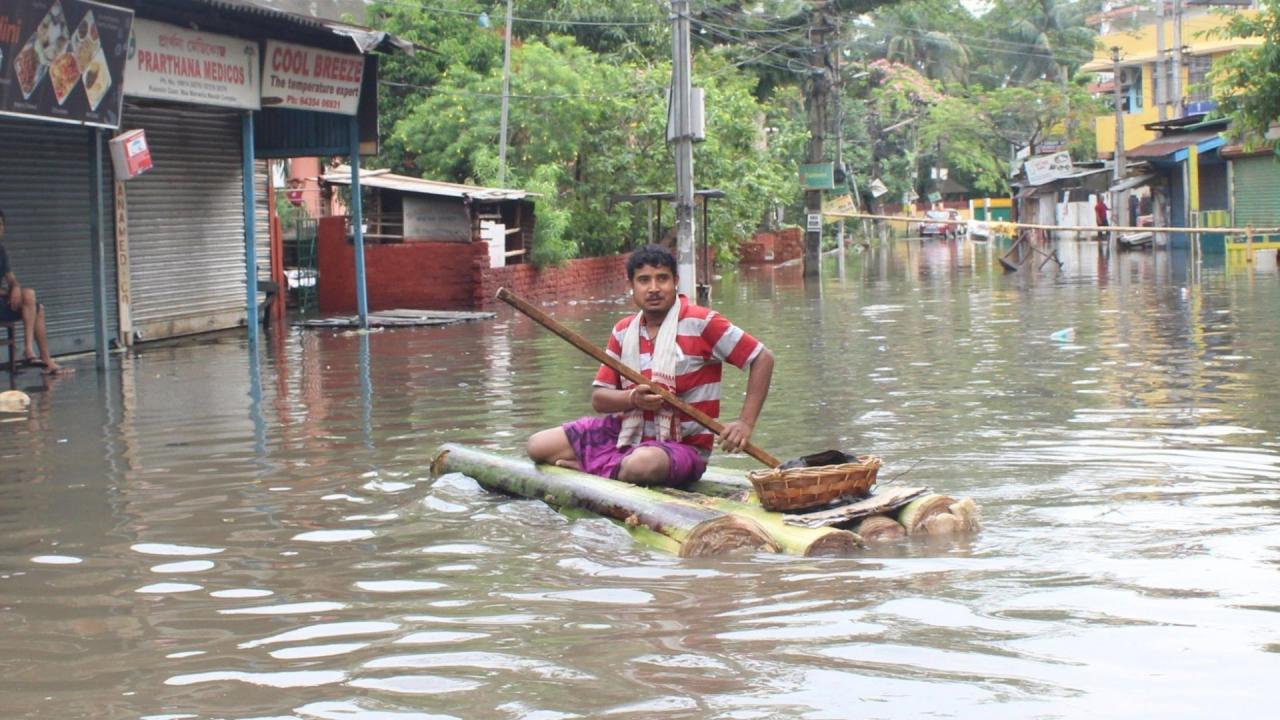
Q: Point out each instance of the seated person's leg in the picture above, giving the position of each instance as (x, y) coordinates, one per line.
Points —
(29, 308)
(42, 338)
(673, 464)
(645, 465)
(551, 446)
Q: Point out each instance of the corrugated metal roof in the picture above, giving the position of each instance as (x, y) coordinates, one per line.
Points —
(366, 39)
(1168, 144)
(341, 175)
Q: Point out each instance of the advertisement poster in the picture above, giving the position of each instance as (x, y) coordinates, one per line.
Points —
(167, 62)
(1047, 168)
(305, 78)
(63, 60)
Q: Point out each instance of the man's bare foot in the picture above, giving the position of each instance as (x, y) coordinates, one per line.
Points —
(571, 464)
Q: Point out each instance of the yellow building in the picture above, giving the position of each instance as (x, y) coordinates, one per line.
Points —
(1147, 80)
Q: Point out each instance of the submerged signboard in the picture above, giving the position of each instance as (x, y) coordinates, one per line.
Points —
(63, 60)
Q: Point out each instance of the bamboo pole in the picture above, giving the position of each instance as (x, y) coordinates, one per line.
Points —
(700, 531)
(1070, 228)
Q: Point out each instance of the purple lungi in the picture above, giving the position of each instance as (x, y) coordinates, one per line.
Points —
(594, 440)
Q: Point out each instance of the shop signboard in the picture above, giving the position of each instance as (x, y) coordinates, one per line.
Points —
(63, 60)
(167, 62)
(1047, 168)
(307, 78)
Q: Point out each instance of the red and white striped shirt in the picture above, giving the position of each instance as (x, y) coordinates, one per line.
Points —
(704, 340)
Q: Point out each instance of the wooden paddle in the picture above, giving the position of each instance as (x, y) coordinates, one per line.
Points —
(594, 351)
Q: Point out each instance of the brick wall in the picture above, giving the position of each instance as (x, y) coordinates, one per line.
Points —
(447, 275)
(577, 279)
(772, 247)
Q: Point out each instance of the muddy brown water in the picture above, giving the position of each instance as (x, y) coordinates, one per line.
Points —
(201, 533)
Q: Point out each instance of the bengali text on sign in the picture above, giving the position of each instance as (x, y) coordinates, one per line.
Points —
(168, 62)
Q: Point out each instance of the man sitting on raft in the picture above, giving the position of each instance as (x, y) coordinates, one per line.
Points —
(639, 438)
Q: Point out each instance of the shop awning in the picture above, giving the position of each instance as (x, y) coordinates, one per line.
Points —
(1132, 182)
(1162, 147)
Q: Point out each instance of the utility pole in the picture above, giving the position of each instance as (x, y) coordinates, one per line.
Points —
(1176, 59)
(1162, 80)
(839, 98)
(818, 91)
(1119, 170)
(681, 117)
(506, 100)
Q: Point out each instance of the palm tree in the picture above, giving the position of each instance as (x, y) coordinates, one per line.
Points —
(927, 35)
(1047, 39)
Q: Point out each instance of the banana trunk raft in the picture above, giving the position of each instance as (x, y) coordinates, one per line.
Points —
(719, 514)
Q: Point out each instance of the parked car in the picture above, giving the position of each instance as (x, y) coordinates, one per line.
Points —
(932, 227)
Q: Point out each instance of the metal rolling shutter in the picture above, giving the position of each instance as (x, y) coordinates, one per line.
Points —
(44, 191)
(186, 222)
(262, 222)
(1256, 186)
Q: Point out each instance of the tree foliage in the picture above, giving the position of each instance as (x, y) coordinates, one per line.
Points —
(582, 129)
(926, 83)
(1246, 82)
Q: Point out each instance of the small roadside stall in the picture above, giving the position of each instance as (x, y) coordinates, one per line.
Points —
(1188, 173)
(1054, 190)
(426, 240)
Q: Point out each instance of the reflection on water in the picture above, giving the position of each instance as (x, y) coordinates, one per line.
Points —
(210, 533)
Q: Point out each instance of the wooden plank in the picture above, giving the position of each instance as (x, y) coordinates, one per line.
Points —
(882, 502)
(511, 253)
(401, 318)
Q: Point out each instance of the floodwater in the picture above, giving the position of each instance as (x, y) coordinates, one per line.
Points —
(204, 534)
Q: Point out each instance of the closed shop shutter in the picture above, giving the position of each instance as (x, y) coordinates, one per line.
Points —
(44, 192)
(186, 222)
(1255, 184)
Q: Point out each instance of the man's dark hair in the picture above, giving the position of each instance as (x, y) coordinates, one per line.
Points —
(654, 255)
(2, 216)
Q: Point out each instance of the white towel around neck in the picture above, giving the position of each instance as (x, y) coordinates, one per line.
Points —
(665, 355)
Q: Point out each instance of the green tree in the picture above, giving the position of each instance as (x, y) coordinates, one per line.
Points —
(584, 128)
(1246, 82)
(926, 35)
(445, 40)
(1040, 39)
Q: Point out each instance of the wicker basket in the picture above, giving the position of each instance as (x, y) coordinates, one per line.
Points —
(809, 487)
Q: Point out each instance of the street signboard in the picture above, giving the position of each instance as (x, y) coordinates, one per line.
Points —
(818, 176)
(814, 223)
(878, 188)
(63, 60)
